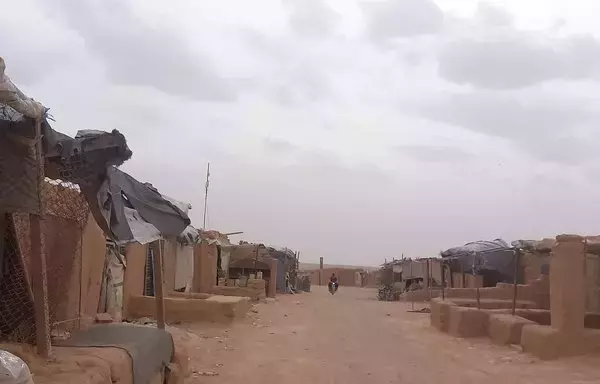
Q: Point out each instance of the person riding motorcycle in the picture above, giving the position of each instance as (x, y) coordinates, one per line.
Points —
(332, 280)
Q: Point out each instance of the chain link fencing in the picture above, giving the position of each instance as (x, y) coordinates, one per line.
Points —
(63, 223)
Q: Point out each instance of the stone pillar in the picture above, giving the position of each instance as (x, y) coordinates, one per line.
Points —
(272, 277)
(320, 271)
(567, 285)
(205, 267)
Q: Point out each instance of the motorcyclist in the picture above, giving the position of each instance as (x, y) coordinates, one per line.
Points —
(332, 279)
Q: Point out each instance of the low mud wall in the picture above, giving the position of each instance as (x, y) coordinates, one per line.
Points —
(220, 309)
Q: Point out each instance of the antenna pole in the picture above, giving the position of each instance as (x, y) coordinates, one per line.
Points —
(206, 195)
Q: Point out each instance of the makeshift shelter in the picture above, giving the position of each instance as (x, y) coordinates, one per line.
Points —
(493, 260)
(29, 150)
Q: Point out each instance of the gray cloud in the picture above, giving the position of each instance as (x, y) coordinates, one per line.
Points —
(492, 15)
(552, 130)
(279, 146)
(136, 54)
(434, 154)
(518, 61)
(312, 18)
(295, 76)
(403, 18)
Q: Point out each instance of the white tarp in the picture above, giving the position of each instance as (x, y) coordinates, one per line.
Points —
(143, 232)
(14, 98)
(184, 266)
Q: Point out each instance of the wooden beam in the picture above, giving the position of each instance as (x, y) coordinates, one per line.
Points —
(159, 284)
(39, 279)
(3, 227)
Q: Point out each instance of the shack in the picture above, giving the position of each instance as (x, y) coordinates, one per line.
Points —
(31, 150)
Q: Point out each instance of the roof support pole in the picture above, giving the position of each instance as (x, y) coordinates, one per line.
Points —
(159, 285)
(39, 278)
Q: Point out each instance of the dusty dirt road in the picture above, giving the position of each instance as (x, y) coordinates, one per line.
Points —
(316, 338)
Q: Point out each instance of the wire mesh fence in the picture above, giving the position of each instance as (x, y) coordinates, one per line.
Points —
(64, 218)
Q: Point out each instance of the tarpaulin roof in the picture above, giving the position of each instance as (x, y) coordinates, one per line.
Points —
(119, 191)
(495, 256)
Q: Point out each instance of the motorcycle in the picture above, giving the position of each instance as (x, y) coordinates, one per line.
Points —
(333, 287)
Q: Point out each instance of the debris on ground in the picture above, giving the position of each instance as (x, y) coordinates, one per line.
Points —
(422, 310)
(205, 373)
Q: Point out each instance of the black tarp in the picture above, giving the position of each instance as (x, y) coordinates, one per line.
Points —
(119, 191)
(89, 160)
(493, 259)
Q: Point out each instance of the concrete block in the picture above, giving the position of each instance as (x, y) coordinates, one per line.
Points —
(467, 322)
(506, 329)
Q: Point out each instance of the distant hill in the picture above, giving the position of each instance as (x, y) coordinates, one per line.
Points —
(315, 266)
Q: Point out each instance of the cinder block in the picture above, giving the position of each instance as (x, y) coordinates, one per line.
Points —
(506, 329)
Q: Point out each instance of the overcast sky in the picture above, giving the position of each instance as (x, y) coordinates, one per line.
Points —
(352, 130)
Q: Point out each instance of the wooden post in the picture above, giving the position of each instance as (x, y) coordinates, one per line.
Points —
(39, 279)
(428, 281)
(443, 268)
(516, 258)
(159, 284)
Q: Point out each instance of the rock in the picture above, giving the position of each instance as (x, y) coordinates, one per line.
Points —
(104, 318)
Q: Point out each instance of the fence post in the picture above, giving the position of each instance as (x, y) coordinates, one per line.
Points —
(516, 258)
(443, 267)
(39, 279)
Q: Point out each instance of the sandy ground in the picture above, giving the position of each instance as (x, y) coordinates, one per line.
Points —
(317, 338)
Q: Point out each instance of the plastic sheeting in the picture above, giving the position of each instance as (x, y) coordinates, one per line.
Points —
(13, 370)
(120, 191)
(494, 257)
(141, 231)
(189, 236)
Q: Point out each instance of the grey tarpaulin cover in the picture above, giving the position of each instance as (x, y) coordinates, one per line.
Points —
(495, 257)
(119, 191)
(150, 349)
